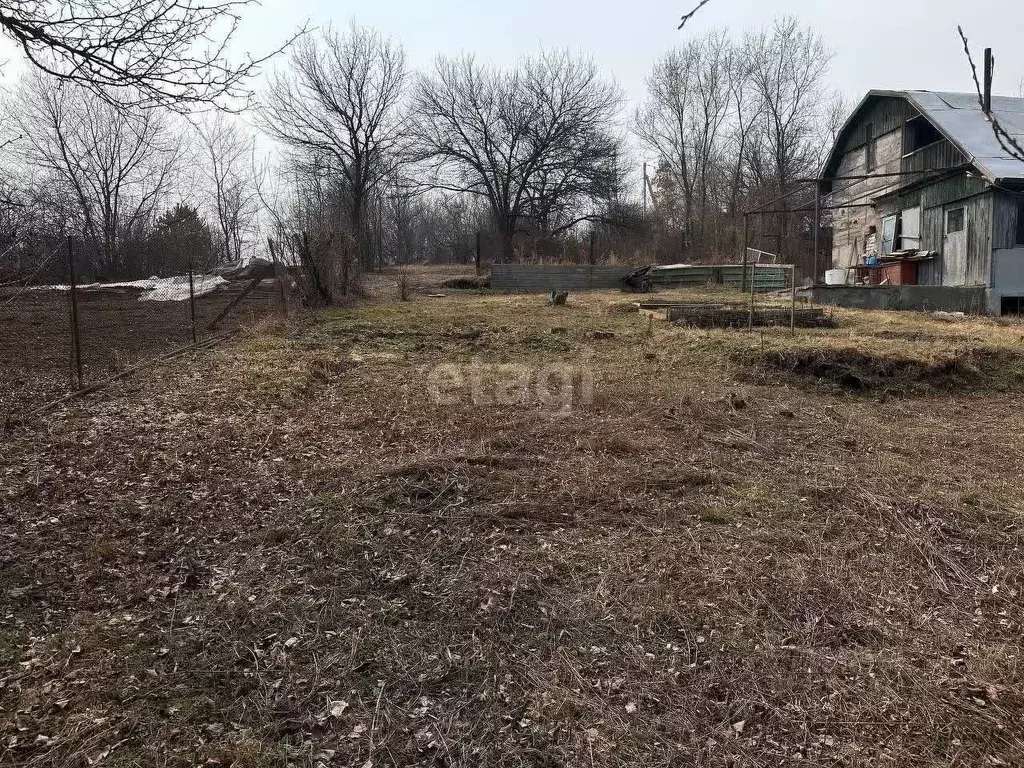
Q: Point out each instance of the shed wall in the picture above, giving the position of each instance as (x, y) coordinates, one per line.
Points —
(852, 227)
(1004, 220)
(935, 199)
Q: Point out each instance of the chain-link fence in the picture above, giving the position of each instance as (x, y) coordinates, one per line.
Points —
(62, 330)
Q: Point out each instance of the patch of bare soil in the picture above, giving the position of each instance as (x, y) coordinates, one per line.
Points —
(861, 371)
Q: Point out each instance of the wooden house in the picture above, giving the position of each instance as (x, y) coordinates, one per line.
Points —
(922, 191)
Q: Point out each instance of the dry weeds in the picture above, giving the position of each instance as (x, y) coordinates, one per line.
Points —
(283, 553)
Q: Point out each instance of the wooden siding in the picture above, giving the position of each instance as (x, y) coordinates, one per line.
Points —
(941, 154)
(933, 223)
(1004, 220)
(937, 193)
(979, 240)
(852, 227)
(935, 200)
(886, 114)
(978, 225)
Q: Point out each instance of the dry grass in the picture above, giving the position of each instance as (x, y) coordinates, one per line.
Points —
(285, 553)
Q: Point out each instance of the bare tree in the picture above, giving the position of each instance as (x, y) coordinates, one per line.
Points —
(837, 110)
(337, 111)
(140, 52)
(690, 99)
(539, 133)
(229, 172)
(118, 163)
(788, 64)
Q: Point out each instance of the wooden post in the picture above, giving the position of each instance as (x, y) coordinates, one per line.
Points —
(192, 301)
(989, 74)
(817, 228)
(76, 341)
(593, 253)
(278, 278)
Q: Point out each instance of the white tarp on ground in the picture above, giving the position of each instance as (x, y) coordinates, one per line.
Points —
(157, 288)
(176, 288)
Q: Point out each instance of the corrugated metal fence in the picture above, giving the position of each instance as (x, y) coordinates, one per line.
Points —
(537, 278)
(766, 278)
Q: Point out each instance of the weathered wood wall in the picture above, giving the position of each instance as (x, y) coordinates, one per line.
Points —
(1004, 220)
(858, 231)
(934, 200)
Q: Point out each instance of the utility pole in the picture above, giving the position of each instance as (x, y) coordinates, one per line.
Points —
(817, 227)
(645, 191)
(746, 249)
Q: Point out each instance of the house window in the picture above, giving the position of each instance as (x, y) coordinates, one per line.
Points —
(1020, 222)
(889, 233)
(869, 145)
(955, 220)
(918, 134)
(910, 226)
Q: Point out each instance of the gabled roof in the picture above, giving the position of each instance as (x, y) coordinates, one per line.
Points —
(960, 118)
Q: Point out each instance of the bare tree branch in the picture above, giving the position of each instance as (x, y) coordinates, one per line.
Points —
(171, 53)
(1009, 144)
(693, 13)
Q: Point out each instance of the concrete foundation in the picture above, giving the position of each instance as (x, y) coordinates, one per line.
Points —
(972, 300)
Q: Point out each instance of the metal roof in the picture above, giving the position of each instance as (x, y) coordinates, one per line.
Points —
(960, 118)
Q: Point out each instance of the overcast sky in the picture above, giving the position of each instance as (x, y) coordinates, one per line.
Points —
(878, 43)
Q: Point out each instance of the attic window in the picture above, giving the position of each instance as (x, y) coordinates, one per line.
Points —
(918, 134)
(869, 144)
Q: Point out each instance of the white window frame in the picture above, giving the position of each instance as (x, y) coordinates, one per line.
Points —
(887, 240)
(910, 228)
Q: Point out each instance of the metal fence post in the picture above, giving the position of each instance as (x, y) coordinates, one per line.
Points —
(792, 306)
(753, 289)
(192, 301)
(746, 250)
(76, 341)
